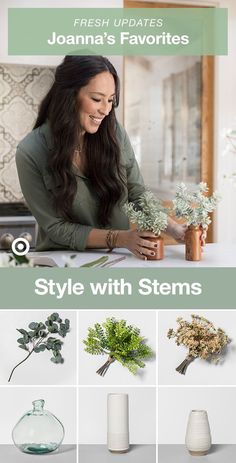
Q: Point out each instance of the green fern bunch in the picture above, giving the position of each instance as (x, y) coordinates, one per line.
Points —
(121, 342)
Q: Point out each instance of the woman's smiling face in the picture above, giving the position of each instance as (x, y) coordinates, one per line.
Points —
(95, 101)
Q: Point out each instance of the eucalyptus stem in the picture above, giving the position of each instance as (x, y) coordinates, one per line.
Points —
(18, 364)
(44, 336)
(22, 361)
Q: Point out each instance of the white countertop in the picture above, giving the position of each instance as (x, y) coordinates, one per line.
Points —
(214, 255)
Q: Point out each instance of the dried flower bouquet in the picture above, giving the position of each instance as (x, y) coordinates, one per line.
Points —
(202, 339)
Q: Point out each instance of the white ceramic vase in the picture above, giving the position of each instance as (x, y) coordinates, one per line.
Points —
(118, 423)
(198, 435)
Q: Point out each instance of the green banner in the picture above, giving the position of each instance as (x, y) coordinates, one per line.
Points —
(72, 288)
(117, 31)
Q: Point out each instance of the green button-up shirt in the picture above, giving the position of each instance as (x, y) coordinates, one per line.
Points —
(37, 186)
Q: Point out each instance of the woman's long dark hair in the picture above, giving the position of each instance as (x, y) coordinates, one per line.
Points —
(101, 149)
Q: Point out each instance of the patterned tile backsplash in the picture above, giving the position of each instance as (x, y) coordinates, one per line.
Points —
(22, 88)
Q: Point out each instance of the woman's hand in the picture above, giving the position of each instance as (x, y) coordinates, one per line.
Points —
(137, 242)
(176, 230)
(203, 236)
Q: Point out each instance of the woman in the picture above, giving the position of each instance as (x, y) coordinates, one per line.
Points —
(77, 167)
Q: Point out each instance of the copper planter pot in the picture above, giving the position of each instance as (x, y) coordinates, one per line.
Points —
(159, 250)
(193, 249)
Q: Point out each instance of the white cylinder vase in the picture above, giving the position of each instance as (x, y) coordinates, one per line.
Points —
(198, 435)
(118, 423)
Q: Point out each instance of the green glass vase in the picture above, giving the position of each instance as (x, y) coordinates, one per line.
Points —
(38, 431)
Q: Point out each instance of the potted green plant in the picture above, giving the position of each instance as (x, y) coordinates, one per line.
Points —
(120, 342)
(195, 208)
(150, 215)
(202, 339)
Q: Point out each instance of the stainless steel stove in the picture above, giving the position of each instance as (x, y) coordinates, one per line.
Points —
(15, 221)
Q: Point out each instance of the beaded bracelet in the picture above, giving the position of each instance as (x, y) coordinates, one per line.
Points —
(111, 239)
